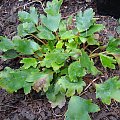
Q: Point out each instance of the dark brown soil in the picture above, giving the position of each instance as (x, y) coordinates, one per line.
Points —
(17, 106)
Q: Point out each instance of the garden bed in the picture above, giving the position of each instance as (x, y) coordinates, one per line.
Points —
(17, 106)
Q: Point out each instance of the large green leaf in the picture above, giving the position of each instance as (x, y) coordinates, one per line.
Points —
(92, 30)
(107, 61)
(10, 54)
(25, 46)
(51, 22)
(13, 80)
(29, 17)
(78, 109)
(24, 16)
(53, 7)
(108, 90)
(45, 33)
(69, 88)
(26, 29)
(43, 83)
(87, 63)
(5, 44)
(75, 71)
(84, 20)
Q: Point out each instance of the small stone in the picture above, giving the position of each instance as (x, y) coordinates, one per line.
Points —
(57, 111)
(96, 36)
(49, 113)
(42, 114)
(112, 118)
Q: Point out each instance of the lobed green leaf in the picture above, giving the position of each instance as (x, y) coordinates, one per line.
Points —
(53, 7)
(51, 22)
(25, 46)
(84, 20)
(28, 62)
(54, 59)
(13, 80)
(87, 63)
(64, 85)
(29, 17)
(5, 44)
(107, 61)
(78, 109)
(108, 90)
(75, 71)
(113, 46)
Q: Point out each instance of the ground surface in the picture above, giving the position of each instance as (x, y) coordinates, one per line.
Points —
(17, 106)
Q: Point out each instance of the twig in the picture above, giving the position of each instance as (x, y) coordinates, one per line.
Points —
(91, 83)
(28, 3)
(38, 39)
(96, 54)
(94, 51)
(57, 115)
(85, 90)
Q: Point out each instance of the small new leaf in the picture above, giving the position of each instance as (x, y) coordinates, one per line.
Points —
(54, 59)
(78, 109)
(75, 71)
(108, 90)
(87, 63)
(67, 35)
(28, 62)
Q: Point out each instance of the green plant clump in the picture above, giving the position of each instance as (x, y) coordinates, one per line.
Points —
(55, 57)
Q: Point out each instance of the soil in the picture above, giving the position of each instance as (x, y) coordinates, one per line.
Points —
(18, 106)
